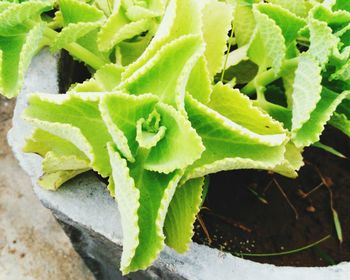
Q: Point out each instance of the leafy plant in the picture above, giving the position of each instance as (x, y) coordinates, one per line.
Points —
(168, 102)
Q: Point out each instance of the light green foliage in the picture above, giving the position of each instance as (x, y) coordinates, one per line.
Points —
(75, 118)
(267, 47)
(306, 90)
(105, 79)
(217, 21)
(160, 112)
(182, 213)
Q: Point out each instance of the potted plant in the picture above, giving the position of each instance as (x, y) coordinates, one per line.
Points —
(167, 105)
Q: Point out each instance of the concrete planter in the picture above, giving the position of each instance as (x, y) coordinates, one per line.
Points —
(90, 216)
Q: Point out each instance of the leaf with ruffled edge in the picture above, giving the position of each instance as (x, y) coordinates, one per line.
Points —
(165, 76)
(105, 79)
(230, 146)
(72, 32)
(267, 48)
(238, 108)
(75, 118)
(306, 91)
(341, 122)
(343, 73)
(292, 162)
(298, 7)
(182, 17)
(129, 51)
(75, 11)
(289, 23)
(119, 28)
(62, 160)
(341, 5)
(243, 23)
(143, 199)
(322, 41)
(18, 19)
(171, 153)
(311, 130)
(41, 142)
(152, 8)
(52, 181)
(182, 212)
(122, 112)
(217, 21)
(16, 53)
(199, 82)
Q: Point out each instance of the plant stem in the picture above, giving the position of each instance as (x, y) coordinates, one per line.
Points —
(78, 51)
(268, 77)
(227, 54)
(285, 252)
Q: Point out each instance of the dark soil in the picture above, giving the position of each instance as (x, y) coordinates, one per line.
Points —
(239, 222)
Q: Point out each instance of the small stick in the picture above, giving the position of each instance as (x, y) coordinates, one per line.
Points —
(305, 195)
(287, 199)
(328, 183)
(267, 187)
(204, 228)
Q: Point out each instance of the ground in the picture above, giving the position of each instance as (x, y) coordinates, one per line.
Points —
(32, 244)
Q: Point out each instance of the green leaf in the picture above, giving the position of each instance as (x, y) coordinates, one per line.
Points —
(306, 91)
(75, 11)
(298, 7)
(105, 79)
(217, 22)
(75, 118)
(311, 130)
(336, 20)
(154, 8)
(143, 198)
(182, 17)
(52, 181)
(71, 33)
(238, 108)
(16, 53)
(42, 142)
(199, 82)
(243, 23)
(337, 225)
(277, 112)
(164, 76)
(167, 153)
(62, 160)
(131, 51)
(289, 23)
(119, 28)
(341, 122)
(292, 162)
(328, 149)
(19, 19)
(54, 163)
(171, 153)
(343, 73)
(182, 212)
(267, 47)
(322, 41)
(120, 113)
(341, 5)
(228, 145)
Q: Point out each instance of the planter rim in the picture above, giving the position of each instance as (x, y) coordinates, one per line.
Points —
(86, 201)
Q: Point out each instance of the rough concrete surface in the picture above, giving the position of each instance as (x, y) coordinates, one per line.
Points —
(32, 244)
